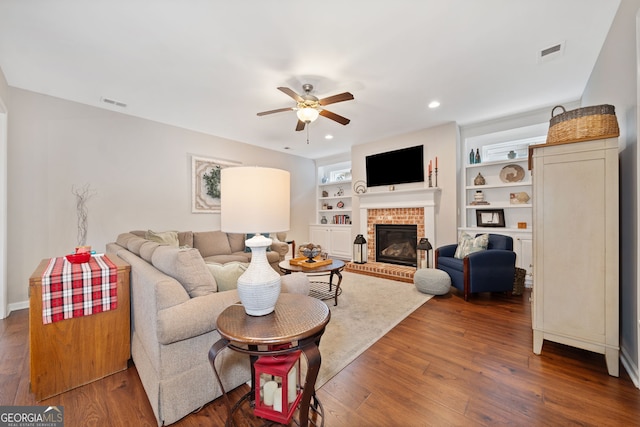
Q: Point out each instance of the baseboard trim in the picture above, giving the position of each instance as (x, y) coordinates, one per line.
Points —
(17, 306)
(629, 366)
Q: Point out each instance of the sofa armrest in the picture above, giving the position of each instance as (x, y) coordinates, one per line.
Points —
(446, 251)
(194, 317)
(282, 248)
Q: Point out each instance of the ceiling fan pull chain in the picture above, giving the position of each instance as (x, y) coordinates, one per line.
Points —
(308, 126)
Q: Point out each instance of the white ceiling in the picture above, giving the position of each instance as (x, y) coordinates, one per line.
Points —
(210, 66)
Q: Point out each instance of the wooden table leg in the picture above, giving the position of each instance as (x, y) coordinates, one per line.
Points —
(337, 273)
(312, 354)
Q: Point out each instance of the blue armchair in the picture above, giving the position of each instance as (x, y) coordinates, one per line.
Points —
(490, 270)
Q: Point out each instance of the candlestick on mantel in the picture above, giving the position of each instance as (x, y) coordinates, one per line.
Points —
(436, 163)
(436, 172)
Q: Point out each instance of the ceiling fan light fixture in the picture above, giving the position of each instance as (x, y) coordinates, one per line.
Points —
(307, 114)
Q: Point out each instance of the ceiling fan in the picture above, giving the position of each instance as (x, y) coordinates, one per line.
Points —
(309, 107)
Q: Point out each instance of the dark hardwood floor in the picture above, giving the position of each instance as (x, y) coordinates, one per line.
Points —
(449, 363)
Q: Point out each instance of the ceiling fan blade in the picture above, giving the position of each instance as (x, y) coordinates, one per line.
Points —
(291, 93)
(346, 96)
(335, 117)
(300, 126)
(279, 110)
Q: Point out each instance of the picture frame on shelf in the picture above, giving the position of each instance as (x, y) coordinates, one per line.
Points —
(490, 218)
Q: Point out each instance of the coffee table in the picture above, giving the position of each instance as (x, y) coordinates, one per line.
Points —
(319, 289)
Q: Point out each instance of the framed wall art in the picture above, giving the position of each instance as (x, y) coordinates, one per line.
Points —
(205, 183)
(490, 217)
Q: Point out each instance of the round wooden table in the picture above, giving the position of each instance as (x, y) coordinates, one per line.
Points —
(319, 289)
(297, 320)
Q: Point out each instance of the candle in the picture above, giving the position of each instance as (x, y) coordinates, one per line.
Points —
(436, 162)
(269, 388)
(277, 400)
(292, 380)
(429, 166)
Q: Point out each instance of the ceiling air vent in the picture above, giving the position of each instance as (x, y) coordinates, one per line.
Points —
(113, 102)
(551, 52)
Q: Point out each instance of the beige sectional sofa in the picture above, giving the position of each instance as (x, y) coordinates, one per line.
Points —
(175, 301)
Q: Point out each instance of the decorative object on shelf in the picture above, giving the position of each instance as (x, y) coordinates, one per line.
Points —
(254, 209)
(522, 225)
(424, 245)
(436, 171)
(325, 206)
(519, 198)
(392, 188)
(595, 122)
(340, 204)
(324, 179)
(278, 389)
(479, 180)
(490, 217)
(430, 172)
(323, 220)
(340, 192)
(360, 250)
(512, 173)
(360, 187)
(472, 157)
(511, 155)
(325, 193)
(310, 251)
(477, 159)
(478, 198)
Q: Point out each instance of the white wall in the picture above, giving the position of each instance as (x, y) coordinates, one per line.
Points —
(614, 81)
(4, 91)
(440, 141)
(140, 171)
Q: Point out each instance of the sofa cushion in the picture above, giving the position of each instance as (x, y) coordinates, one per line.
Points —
(165, 237)
(226, 275)
(134, 244)
(236, 241)
(187, 267)
(147, 249)
(211, 243)
(223, 259)
(124, 238)
(468, 244)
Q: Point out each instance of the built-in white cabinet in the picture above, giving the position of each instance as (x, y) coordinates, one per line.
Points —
(334, 239)
(575, 247)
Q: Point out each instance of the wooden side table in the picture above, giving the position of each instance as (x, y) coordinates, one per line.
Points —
(298, 320)
(74, 352)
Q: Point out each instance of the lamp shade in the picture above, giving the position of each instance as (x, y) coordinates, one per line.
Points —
(254, 200)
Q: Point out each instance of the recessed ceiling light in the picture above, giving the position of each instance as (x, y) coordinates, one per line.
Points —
(328, 136)
(434, 104)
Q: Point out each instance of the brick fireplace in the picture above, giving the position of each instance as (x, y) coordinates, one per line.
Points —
(415, 206)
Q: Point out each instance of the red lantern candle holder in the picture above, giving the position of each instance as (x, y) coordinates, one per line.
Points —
(277, 386)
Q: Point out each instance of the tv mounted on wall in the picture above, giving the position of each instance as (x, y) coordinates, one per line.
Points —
(395, 167)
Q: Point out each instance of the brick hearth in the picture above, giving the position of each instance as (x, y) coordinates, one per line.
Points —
(401, 273)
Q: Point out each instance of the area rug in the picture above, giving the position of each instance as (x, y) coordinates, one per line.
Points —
(368, 308)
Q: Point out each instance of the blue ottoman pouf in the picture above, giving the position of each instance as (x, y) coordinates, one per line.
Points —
(432, 281)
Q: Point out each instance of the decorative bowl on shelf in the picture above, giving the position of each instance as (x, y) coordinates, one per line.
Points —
(80, 258)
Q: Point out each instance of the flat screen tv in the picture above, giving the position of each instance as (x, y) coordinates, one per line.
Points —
(395, 167)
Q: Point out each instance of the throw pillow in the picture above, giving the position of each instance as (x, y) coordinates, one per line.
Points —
(468, 244)
(226, 275)
(163, 237)
(187, 267)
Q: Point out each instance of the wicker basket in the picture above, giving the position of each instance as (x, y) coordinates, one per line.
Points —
(518, 281)
(583, 124)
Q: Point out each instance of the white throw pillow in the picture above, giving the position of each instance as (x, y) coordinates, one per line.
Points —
(468, 244)
(226, 275)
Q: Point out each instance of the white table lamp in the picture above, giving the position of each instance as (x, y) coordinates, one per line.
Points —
(256, 200)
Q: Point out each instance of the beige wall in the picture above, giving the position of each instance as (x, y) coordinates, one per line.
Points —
(614, 81)
(140, 171)
(441, 141)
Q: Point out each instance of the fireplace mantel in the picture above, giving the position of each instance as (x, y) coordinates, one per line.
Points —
(426, 198)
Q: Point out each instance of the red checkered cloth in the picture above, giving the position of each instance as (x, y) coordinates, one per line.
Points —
(75, 290)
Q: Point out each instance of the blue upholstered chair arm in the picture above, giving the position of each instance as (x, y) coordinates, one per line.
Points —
(447, 250)
(494, 258)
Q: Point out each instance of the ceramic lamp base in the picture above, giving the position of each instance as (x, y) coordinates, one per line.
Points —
(259, 286)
